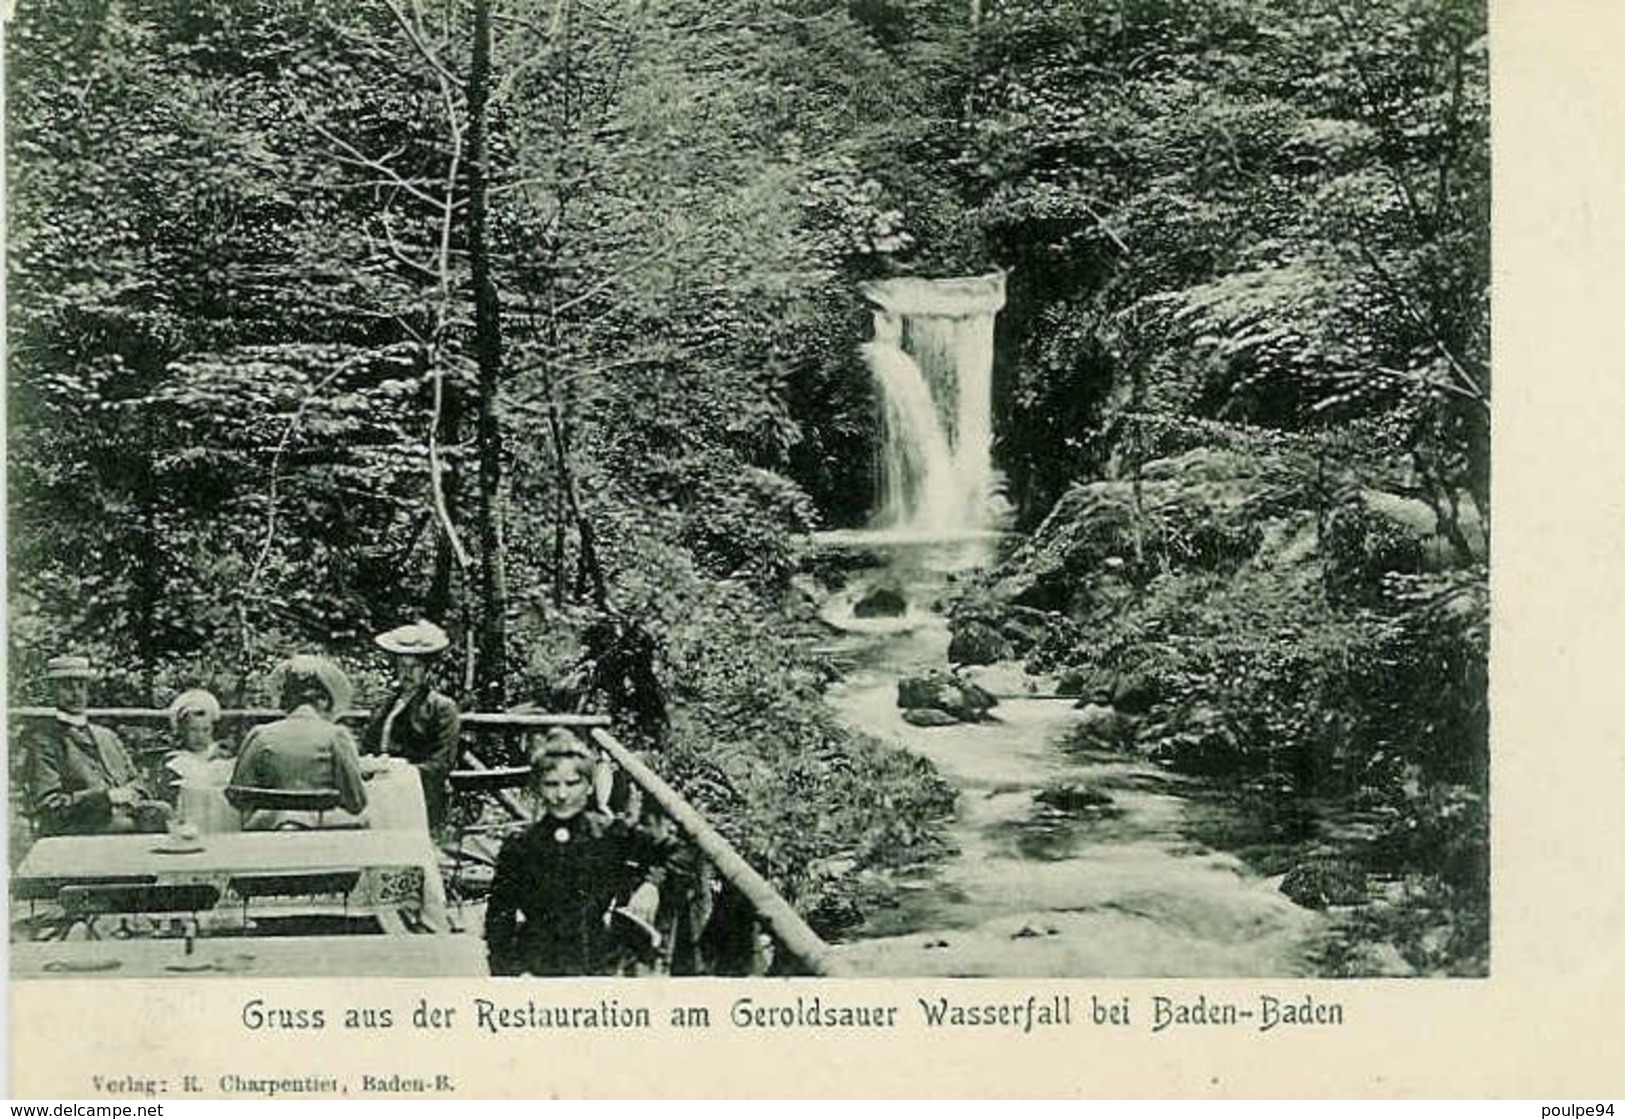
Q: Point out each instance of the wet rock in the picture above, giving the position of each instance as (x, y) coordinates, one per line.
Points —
(985, 630)
(1318, 884)
(976, 696)
(1039, 585)
(1006, 679)
(883, 601)
(930, 717)
(957, 697)
(917, 691)
(1073, 798)
(978, 643)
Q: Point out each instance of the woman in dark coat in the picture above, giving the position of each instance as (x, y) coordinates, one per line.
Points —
(556, 883)
(416, 722)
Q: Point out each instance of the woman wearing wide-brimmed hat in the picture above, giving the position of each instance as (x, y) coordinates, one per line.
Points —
(80, 779)
(304, 750)
(416, 722)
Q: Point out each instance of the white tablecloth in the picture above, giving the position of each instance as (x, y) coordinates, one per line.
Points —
(400, 870)
(394, 800)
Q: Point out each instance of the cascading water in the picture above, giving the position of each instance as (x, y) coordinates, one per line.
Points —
(932, 357)
(918, 484)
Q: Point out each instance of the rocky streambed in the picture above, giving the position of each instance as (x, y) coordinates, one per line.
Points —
(1069, 860)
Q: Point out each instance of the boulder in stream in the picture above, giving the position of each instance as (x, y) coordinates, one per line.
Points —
(881, 601)
(930, 717)
(978, 643)
(1073, 797)
(942, 692)
(1007, 678)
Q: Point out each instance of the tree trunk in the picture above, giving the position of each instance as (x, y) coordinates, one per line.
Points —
(589, 571)
(439, 604)
(149, 575)
(492, 641)
(1137, 461)
(559, 521)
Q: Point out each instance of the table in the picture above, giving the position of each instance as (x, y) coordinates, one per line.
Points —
(400, 870)
(252, 957)
(394, 800)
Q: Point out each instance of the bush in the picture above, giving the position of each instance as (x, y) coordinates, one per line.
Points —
(1361, 547)
(1378, 707)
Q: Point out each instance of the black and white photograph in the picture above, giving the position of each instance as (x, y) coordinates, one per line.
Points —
(882, 489)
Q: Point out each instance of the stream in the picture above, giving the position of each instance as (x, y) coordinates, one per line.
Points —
(1120, 888)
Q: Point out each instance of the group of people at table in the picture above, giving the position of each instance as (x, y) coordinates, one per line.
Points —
(565, 890)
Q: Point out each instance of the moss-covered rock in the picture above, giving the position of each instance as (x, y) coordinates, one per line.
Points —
(1322, 882)
(930, 717)
(977, 642)
(883, 601)
(944, 692)
(1074, 797)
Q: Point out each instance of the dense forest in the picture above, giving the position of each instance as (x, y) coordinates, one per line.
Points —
(540, 318)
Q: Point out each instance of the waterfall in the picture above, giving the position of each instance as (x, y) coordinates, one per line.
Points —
(932, 357)
(917, 468)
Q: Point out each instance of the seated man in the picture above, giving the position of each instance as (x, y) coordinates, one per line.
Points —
(303, 751)
(80, 779)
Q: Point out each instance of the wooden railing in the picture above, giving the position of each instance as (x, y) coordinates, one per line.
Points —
(783, 924)
(517, 720)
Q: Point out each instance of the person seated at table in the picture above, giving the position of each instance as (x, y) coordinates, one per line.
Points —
(417, 722)
(192, 718)
(305, 750)
(80, 779)
(557, 884)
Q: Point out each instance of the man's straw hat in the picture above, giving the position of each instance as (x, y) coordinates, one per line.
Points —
(69, 668)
